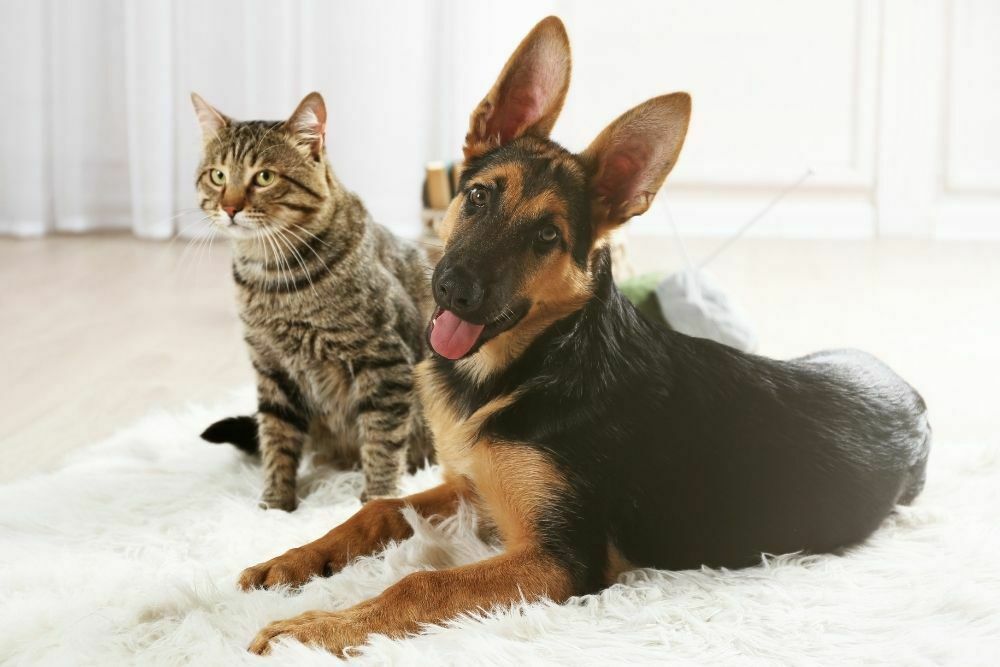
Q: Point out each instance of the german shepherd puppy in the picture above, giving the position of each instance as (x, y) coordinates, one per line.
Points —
(592, 439)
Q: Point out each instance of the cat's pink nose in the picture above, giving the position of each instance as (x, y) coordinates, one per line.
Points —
(231, 211)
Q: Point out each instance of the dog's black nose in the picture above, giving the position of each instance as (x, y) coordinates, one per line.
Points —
(458, 290)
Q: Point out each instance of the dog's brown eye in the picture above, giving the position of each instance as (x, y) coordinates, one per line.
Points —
(479, 197)
(548, 234)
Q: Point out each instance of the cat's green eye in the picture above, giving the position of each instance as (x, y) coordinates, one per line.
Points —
(217, 176)
(264, 178)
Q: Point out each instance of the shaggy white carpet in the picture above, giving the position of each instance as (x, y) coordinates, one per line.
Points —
(129, 555)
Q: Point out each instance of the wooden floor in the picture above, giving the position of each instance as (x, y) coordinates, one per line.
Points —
(98, 330)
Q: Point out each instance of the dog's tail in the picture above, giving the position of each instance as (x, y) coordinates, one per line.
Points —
(241, 432)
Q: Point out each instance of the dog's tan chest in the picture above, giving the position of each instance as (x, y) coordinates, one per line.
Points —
(455, 437)
(512, 482)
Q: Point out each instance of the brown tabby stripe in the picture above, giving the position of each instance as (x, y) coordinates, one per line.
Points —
(290, 391)
(279, 285)
(285, 414)
(301, 208)
(302, 186)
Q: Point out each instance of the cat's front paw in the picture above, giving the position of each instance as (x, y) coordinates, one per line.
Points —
(365, 496)
(375, 492)
(292, 568)
(279, 501)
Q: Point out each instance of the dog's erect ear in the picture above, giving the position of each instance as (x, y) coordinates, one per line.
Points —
(529, 93)
(633, 155)
(210, 118)
(308, 124)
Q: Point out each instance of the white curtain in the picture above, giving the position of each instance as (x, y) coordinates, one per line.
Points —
(97, 129)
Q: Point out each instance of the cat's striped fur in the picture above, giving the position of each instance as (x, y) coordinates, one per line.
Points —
(333, 305)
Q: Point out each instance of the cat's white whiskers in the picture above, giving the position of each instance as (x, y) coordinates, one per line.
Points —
(211, 240)
(183, 211)
(303, 229)
(199, 250)
(256, 238)
(193, 241)
(263, 246)
(282, 244)
(190, 249)
(186, 227)
(298, 257)
(287, 262)
(278, 258)
(306, 244)
(265, 251)
(202, 247)
(268, 246)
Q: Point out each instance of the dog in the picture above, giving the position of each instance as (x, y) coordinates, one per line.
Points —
(594, 440)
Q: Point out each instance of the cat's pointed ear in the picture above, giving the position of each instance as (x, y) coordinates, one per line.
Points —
(633, 155)
(528, 95)
(210, 118)
(308, 124)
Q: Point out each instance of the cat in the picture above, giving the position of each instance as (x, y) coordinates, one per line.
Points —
(333, 305)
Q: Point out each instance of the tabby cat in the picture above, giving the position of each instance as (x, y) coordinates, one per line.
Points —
(333, 305)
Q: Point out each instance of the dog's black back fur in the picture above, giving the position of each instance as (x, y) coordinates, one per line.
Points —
(682, 452)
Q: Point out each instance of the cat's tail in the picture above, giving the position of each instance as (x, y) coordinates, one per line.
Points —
(241, 432)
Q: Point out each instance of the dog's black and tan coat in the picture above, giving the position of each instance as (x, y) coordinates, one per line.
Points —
(592, 439)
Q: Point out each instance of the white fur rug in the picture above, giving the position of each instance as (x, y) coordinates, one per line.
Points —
(129, 555)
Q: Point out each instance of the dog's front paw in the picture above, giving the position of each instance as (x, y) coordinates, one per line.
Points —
(330, 630)
(292, 568)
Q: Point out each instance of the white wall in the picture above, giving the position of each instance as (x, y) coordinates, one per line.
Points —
(894, 104)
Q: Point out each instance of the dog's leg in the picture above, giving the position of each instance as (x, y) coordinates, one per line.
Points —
(375, 524)
(525, 573)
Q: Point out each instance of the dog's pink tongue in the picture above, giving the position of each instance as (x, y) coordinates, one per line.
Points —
(452, 337)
